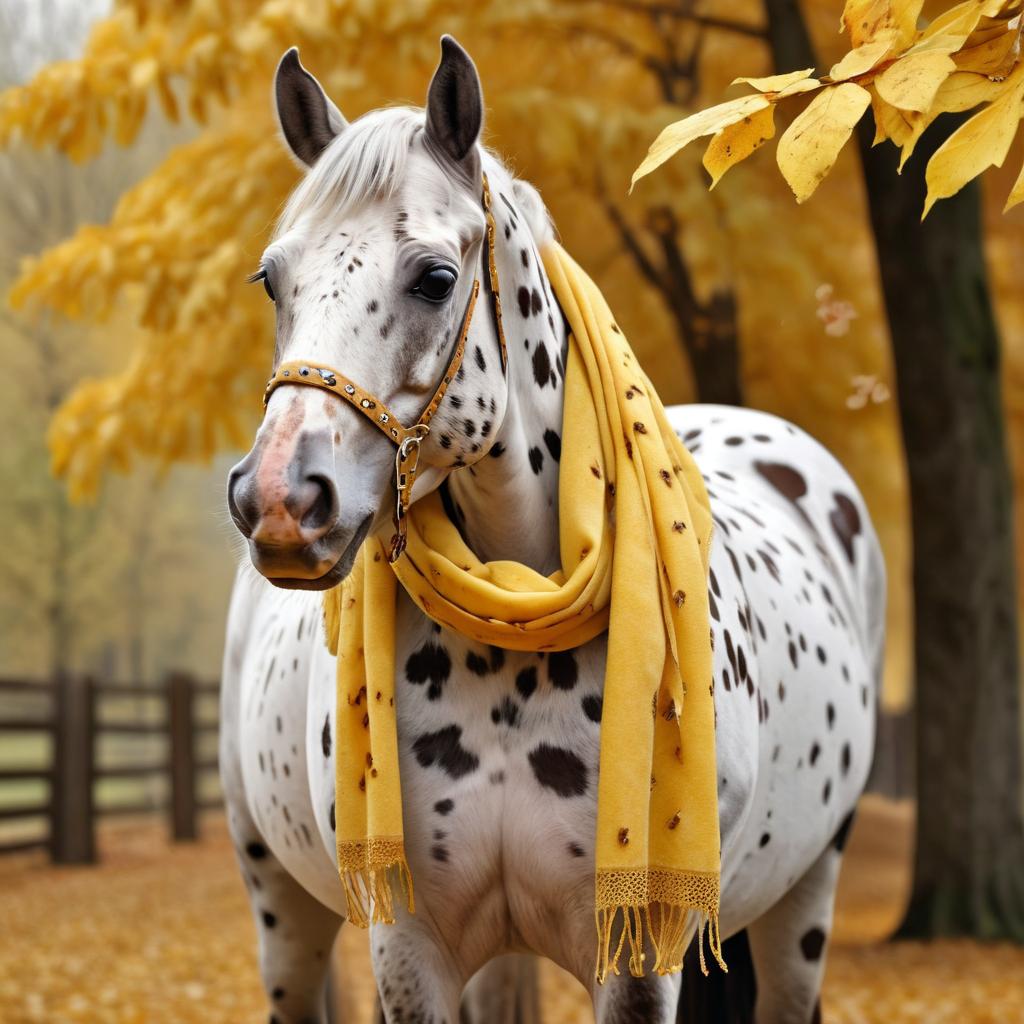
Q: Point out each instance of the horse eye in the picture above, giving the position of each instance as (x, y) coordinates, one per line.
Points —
(436, 284)
(261, 275)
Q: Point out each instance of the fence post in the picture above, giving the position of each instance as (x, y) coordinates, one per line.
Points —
(181, 723)
(73, 834)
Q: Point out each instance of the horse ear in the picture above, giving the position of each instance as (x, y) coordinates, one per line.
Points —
(309, 120)
(455, 106)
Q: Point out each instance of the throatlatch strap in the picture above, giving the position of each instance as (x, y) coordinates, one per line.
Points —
(492, 272)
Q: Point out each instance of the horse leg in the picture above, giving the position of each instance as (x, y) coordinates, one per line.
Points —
(787, 944)
(504, 991)
(296, 932)
(417, 979)
(623, 999)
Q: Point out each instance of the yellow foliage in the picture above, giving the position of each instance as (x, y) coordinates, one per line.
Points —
(982, 142)
(969, 56)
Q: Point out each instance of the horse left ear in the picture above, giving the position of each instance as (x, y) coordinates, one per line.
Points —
(309, 120)
(455, 106)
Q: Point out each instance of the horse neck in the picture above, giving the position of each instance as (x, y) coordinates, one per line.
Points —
(507, 502)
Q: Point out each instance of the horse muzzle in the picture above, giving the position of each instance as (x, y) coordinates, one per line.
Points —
(289, 511)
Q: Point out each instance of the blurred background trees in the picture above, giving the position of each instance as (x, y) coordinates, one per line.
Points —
(113, 587)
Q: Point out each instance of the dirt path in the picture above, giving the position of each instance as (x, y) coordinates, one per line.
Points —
(162, 935)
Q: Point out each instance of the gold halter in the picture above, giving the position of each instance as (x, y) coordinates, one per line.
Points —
(406, 439)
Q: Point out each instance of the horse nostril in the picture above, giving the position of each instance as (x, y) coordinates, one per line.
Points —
(242, 505)
(323, 509)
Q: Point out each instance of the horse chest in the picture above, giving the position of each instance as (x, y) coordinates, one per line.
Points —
(499, 759)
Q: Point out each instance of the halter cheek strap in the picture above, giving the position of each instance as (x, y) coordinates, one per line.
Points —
(406, 439)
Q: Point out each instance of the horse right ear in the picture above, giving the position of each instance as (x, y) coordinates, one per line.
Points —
(309, 120)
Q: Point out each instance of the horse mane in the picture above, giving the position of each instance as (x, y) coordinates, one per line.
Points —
(367, 161)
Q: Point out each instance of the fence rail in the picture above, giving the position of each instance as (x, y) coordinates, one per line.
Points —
(73, 725)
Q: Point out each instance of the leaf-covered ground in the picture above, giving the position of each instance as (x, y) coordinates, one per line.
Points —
(162, 935)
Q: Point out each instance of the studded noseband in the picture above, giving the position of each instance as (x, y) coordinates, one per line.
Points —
(407, 440)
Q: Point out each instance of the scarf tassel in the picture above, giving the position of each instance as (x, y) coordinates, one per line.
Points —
(369, 892)
(666, 931)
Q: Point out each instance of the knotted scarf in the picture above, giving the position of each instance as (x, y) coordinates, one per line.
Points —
(634, 537)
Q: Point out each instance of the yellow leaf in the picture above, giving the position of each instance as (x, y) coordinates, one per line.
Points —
(775, 83)
(682, 133)
(863, 58)
(737, 141)
(912, 82)
(964, 91)
(993, 56)
(866, 20)
(890, 122)
(810, 145)
(1016, 193)
(807, 85)
(981, 142)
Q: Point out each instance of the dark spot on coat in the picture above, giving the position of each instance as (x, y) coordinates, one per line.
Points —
(444, 749)
(430, 662)
(554, 444)
(269, 920)
(562, 670)
(477, 664)
(789, 482)
(536, 460)
(445, 806)
(507, 713)
(325, 736)
(524, 300)
(526, 681)
(541, 365)
(593, 704)
(256, 851)
(845, 520)
(559, 769)
(812, 944)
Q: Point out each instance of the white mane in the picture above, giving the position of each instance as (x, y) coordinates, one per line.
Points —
(366, 161)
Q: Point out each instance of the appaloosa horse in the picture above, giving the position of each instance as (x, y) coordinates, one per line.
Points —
(371, 269)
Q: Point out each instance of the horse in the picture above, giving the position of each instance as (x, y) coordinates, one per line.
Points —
(371, 269)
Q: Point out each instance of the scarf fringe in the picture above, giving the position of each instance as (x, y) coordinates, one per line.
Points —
(369, 881)
(667, 927)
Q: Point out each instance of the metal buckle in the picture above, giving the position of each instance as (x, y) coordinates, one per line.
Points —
(408, 452)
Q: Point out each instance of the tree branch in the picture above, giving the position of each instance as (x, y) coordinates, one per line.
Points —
(680, 14)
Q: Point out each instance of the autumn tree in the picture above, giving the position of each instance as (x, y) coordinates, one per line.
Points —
(969, 861)
(85, 584)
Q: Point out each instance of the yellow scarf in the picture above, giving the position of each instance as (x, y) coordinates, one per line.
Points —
(634, 532)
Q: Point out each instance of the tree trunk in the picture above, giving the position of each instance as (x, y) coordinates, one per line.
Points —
(969, 863)
(708, 331)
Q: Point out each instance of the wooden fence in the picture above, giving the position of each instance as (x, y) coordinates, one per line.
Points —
(75, 721)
